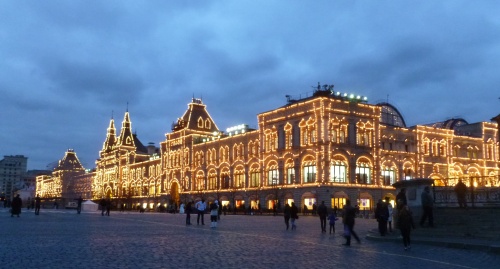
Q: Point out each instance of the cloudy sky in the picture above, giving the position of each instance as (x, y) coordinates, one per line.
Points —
(67, 66)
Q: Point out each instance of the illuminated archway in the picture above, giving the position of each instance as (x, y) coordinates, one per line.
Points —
(174, 193)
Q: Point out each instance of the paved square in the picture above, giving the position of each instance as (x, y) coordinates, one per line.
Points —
(63, 239)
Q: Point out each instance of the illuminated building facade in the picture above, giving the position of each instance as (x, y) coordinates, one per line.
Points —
(326, 147)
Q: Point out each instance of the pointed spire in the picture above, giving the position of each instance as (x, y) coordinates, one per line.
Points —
(110, 136)
(126, 137)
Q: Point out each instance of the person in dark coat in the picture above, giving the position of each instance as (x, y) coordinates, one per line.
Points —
(381, 214)
(102, 203)
(38, 203)
(427, 206)
(461, 191)
(16, 206)
(401, 199)
(294, 211)
(108, 206)
(287, 213)
(79, 204)
(323, 213)
(188, 209)
(406, 224)
(349, 214)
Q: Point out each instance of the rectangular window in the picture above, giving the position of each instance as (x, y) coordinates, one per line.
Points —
(290, 176)
(388, 177)
(363, 175)
(254, 179)
(309, 174)
(338, 173)
(239, 180)
(212, 182)
(272, 177)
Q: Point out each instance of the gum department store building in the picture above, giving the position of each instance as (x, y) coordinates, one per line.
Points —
(327, 147)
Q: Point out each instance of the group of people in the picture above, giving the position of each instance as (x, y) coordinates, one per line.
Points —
(201, 207)
(17, 204)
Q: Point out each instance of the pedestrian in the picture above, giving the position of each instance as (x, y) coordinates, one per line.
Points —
(214, 212)
(461, 191)
(16, 206)
(287, 213)
(294, 211)
(182, 209)
(315, 209)
(79, 204)
(381, 214)
(427, 206)
(108, 206)
(390, 209)
(322, 213)
(102, 203)
(188, 209)
(349, 214)
(406, 224)
(304, 210)
(201, 206)
(332, 218)
(38, 203)
(401, 199)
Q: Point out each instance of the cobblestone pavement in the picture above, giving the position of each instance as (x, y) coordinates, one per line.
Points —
(63, 239)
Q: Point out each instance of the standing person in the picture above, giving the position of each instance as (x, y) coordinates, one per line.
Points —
(461, 191)
(349, 214)
(16, 206)
(427, 206)
(331, 219)
(201, 206)
(323, 213)
(79, 204)
(188, 209)
(287, 213)
(102, 203)
(294, 211)
(390, 210)
(214, 212)
(108, 206)
(315, 209)
(381, 214)
(38, 203)
(405, 221)
(401, 199)
(304, 210)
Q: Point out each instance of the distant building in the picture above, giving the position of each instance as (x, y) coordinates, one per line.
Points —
(327, 147)
(13, 170)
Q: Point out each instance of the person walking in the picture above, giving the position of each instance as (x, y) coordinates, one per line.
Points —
(349, 214)
(286, 213)
(427, 206)
(461, 192)
(322, 213)
(79, 204)
(214, 212)
(332, 218)
(294, 211)
(390, 209)
(406, 224)
(381, 214)
(188, 209)
(38, 203)
(16, 206)
(201, 206)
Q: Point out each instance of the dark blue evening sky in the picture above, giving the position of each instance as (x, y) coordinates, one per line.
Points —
(67, 66)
